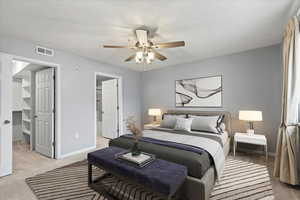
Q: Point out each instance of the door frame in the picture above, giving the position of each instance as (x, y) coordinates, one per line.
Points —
(120, 101)
(6, 114)
(57, 100)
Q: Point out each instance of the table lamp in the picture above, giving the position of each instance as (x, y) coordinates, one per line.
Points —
(250, 116)
(154, 112)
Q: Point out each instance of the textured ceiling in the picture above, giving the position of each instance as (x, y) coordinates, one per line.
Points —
(209, 27)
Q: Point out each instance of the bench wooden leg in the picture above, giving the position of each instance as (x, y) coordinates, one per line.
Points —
(90, 173)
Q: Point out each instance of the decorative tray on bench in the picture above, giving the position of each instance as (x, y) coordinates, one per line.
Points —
(141, 160)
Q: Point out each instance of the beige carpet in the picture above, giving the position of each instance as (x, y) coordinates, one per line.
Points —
(241, 180)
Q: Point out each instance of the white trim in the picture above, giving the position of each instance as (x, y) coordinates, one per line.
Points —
(120, 100)
(85, 150)
(57, 96)
(6, 114)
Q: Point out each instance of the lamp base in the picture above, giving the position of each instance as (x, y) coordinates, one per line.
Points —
(250, 131)
(155, 121)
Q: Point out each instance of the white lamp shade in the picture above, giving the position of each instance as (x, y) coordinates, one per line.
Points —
(250, 115)
(154, 112)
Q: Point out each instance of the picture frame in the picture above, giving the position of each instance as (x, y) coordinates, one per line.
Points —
(206, 92)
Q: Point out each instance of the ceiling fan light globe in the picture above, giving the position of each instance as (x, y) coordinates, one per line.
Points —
(138, 60)
(148, 61)
(151, 55)
(139, 54)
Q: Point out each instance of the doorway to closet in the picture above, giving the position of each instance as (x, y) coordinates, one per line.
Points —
(33, 113)
(108, 106)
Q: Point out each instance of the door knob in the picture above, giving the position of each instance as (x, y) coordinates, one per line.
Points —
(6, 122)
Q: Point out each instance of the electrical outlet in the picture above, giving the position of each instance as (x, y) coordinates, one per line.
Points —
(77, 135)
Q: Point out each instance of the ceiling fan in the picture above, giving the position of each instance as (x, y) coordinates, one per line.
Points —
(145, 48)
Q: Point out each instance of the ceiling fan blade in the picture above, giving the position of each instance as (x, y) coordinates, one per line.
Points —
(142, 37)
(169, 45)
(159, 56)
(117, 46)
(130, 58)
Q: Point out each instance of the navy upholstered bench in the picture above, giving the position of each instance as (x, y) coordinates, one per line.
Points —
(160, 176)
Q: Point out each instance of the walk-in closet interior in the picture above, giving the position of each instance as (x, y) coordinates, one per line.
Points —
(33, 96)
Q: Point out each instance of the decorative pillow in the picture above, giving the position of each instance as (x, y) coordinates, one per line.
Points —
(210, 124)
(223, 127)
(169, 121)
(183, 124)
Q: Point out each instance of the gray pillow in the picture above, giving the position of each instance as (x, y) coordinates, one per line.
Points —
(169, 121)
(210, 124)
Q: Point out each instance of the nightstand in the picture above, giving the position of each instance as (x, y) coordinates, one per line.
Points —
(250, 139)
(150, 126)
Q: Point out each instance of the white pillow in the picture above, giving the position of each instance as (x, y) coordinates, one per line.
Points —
(223, 127)
(210, 124)
(169, 121)
(183, 124)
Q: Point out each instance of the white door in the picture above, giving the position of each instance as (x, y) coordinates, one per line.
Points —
(44, 112)
(110, 113)
(5, 114)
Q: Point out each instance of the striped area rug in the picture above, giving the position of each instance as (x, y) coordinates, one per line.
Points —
(70, 183)
(241, 180)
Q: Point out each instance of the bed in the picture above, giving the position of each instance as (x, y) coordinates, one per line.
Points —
(204, 167)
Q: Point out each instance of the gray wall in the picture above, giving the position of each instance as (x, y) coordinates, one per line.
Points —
(78, 91)
(251, 80)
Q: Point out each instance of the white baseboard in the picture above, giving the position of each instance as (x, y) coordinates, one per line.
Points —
(77, 152)
(5, 174)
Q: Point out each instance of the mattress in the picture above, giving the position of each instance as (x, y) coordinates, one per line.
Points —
(197, 164)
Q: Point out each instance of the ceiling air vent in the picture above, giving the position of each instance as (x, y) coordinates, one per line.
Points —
(44, 51)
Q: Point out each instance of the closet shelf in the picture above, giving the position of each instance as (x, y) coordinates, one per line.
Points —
(27, 120)
(26, 131)
(26, 106)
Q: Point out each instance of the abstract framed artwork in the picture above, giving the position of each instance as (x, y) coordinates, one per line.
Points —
(199, 92)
